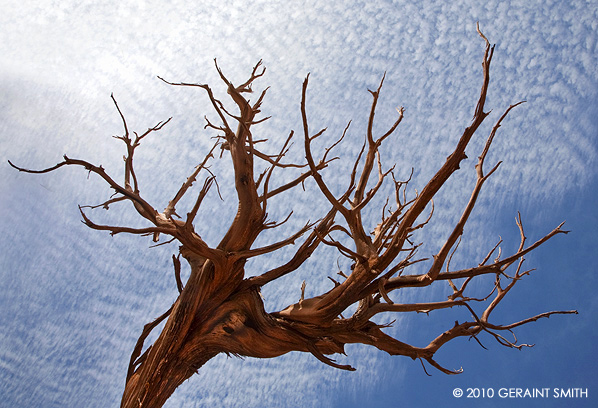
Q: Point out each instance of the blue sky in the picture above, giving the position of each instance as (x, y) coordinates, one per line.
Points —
(73, 300)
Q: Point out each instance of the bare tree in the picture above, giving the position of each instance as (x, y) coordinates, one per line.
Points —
(220, 310)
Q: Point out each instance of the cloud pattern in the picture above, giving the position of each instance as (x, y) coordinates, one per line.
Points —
(74, 300)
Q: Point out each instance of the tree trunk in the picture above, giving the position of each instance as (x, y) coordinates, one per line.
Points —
(207, 319)
(155, 383)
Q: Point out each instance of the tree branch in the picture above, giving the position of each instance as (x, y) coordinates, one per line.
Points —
(448, 168)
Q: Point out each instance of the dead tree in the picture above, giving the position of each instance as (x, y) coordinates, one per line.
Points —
(219, 309)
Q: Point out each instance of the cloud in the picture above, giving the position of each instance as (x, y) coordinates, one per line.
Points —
(60, 65)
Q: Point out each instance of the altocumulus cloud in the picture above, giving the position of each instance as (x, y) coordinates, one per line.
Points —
(77, 299)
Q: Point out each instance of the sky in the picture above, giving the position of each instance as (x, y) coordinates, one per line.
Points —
(73, 301)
